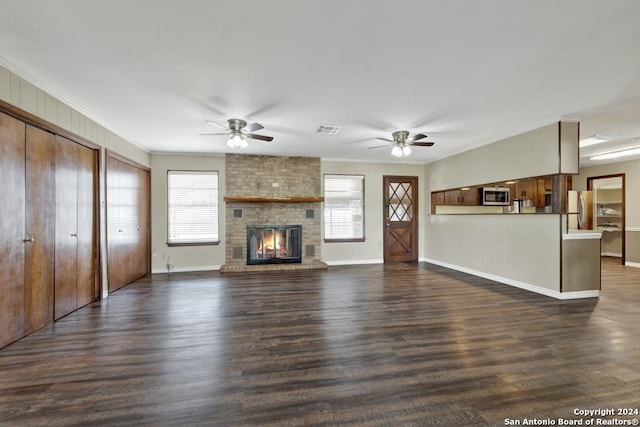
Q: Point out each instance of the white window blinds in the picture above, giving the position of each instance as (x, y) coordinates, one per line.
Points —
(344, 207)
(193, 207)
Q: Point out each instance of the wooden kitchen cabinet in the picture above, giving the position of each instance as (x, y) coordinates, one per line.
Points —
(437, 199)
(540, 200)
(470, 197)
(466, 197)
(526, 189)
(452, 197)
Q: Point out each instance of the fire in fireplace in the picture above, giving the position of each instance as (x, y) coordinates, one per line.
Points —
(274, 244)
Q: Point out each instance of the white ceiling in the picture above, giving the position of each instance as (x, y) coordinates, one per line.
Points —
(465, 72)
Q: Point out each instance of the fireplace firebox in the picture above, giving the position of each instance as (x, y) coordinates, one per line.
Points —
(274, 244)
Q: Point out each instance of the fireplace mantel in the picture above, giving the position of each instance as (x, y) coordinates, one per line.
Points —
(262, 199)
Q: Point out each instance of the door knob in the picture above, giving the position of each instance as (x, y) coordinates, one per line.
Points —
(74, 235)
(29, 240)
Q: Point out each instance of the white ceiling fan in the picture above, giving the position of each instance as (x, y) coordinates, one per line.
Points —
(238, 131)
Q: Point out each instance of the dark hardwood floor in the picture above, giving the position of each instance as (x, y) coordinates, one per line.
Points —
(399, 344)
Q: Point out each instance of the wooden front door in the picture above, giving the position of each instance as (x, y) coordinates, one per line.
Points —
(400, 195)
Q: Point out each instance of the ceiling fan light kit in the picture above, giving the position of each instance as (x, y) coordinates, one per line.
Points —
(401, 150)
(236, 141)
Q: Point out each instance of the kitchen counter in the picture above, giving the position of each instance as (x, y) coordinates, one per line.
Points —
(582, 234)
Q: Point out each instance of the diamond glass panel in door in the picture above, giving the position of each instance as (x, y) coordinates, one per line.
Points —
(400, 203)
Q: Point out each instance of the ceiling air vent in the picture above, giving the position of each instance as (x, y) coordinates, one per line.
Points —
(329, 130)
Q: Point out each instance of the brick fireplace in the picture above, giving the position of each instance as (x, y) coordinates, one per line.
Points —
(267, 190)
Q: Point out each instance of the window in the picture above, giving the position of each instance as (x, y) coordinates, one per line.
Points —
(192, 207)
(344, 208)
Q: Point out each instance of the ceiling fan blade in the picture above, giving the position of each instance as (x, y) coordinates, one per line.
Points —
(260, 137)
(221, 133)
(417, 137)
(214, 123)
(252, 127)
(386, 139)
(422, 144)
(379, 146)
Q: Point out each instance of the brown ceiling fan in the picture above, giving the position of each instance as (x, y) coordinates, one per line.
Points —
(401, 142)
(239, 130)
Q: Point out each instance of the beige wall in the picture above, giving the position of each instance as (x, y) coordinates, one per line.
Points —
(371, 250)
(19, 92)
(519, 249)
(183, 258)
(533, 153)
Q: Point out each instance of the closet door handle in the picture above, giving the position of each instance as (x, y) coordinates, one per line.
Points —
(29, 240)
(74, 235)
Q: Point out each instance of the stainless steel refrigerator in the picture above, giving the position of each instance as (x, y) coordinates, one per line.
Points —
(580, 210)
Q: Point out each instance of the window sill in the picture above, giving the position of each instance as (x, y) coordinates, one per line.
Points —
(193, 244)
(343, 240)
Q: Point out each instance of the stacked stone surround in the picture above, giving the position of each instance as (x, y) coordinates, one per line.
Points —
(272, 177)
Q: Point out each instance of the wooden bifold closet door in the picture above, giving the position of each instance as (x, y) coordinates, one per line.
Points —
(128, 223)
(75, 227)
(27, 167)
(12, 222)
(48, 227)
(39, 228)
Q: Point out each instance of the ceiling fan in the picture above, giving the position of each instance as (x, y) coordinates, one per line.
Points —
(238, 131)
(401, 142)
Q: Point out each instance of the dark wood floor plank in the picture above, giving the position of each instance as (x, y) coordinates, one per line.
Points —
(396, 344)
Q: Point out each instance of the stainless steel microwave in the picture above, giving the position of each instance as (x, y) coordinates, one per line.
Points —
(497, 196)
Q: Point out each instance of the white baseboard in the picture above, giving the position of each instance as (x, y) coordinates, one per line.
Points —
(632, 264)
(515, 283)
(611, 254)
(187, 269)
(355, 262)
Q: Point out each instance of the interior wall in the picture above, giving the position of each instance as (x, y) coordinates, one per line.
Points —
(183, 258)
(371, 250)
(21, 93)
(533, 153)
(520, 249)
